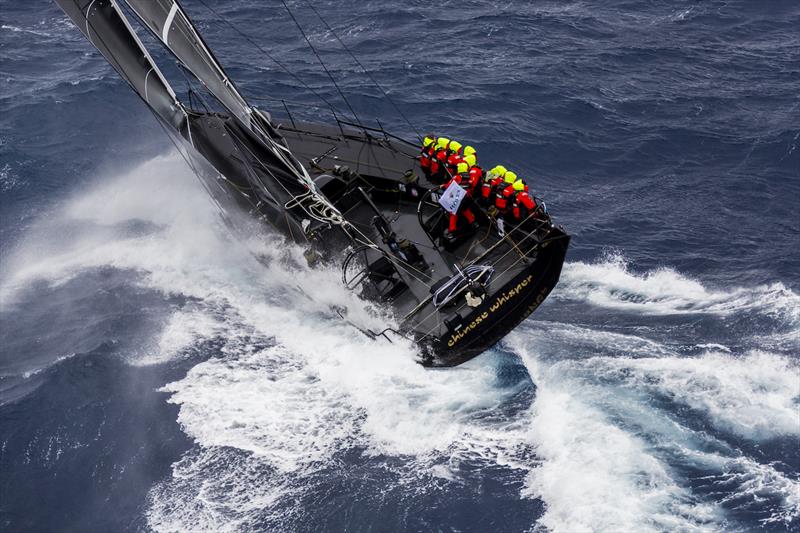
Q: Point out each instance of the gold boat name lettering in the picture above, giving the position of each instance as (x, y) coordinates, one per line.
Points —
(460, 334)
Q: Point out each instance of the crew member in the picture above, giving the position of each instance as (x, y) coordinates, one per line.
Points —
(491, 182)
(462, 178)
(471, 160)
(523, 205)
(504, 192)
(469, 152)
(439, 159)
(475, 172)
(454, 157)
(425, 156)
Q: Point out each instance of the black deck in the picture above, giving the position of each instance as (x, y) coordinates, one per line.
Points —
(527, 261)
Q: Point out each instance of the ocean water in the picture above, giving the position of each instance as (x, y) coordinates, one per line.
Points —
(156, 376)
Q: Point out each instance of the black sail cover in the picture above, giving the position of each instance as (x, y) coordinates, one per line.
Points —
(167, 20)
(107, 29)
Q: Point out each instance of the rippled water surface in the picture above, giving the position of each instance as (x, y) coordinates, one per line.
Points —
(155, 376)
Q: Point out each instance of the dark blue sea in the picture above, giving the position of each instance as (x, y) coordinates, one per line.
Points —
(156, 376)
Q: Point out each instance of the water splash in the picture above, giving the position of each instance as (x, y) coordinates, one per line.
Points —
(286, 391)
(610, 283)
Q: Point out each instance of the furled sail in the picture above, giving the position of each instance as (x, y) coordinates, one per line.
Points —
(167, 20)
(108, 30)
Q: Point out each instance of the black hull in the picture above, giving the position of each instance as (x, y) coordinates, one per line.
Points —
(508, 306)
(460, 333)
(447, 336)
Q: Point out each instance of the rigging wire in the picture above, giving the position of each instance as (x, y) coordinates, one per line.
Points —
(368, 73)
(329, 217)
(270, 57)
(321, 62)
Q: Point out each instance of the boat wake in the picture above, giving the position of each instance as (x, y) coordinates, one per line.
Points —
(659, 442)
(297, 417)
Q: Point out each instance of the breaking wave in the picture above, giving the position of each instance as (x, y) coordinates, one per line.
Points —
(754, 396)
(612, 284)
(615, 457)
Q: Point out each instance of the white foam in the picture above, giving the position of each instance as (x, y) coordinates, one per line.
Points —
(583, 341)
(610, 283)
(606, 449)
(294, 410)
(90, 230)
(183, 330)
(320, 390)
(17, 29)
(745, 485)
(714, 346)
(752, 396)
(595, 476)
(267, 404)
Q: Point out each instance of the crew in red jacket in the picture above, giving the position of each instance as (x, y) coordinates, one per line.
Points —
(504, 193)
(463, 179)
(453, 158)
(475, 172)
(439, 171)
(523, 205)
(425, 156)
(491, 182)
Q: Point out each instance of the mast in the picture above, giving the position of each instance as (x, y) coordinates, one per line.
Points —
(170, 24)
(104, 25)
(168, 21)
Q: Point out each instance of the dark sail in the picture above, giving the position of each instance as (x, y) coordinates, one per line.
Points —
(167, 20)
(244, 149)
(107, 29)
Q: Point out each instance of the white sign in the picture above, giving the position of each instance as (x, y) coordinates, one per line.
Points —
(452, 197)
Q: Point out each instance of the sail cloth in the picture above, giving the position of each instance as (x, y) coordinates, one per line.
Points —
(277, 173)
(107, 29)
(170, 23)
(167, 20)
